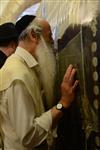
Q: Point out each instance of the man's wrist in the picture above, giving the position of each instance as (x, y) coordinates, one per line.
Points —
(61, 108)
(65, 103)
(56, 116)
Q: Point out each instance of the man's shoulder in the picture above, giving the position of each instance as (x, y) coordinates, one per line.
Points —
(13, 69)
(14, 64)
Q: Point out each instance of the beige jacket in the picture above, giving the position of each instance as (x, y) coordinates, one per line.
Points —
(24, 124)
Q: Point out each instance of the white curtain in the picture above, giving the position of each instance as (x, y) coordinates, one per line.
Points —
(63, 13)
(11, 9)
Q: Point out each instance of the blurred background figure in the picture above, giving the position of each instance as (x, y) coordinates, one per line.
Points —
(8, 41)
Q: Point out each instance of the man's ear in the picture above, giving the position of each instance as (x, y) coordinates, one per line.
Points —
(32, 36)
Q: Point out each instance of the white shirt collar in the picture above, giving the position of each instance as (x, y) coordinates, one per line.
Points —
(27, 57)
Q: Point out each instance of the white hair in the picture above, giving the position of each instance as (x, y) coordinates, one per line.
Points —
(31, 27)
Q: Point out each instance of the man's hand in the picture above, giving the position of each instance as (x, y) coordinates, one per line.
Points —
(68, 87)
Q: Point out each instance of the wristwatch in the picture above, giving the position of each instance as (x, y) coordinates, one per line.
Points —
(60, 107)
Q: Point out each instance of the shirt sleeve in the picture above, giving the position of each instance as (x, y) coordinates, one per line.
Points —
(32, 131)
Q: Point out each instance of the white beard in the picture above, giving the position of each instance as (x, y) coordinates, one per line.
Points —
(47, 64)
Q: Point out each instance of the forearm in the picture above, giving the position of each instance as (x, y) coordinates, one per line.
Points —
(30, 129)
(58, 114)
(41, 127)
(34, 136)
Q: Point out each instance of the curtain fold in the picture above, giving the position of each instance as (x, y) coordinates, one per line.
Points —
(11, 9)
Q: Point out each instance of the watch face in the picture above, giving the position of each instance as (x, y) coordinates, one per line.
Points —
(59, 106)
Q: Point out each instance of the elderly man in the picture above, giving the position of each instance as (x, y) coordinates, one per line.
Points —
(25, 124)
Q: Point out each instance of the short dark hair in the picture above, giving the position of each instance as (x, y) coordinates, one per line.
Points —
(7, 42)
(8, 33)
